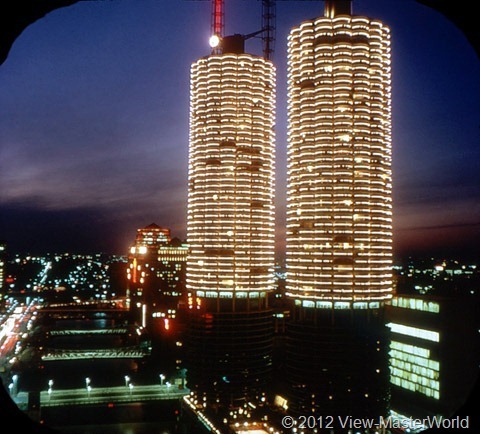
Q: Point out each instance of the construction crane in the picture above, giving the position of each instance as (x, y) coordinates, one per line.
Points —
(218, 25)
(267, 28)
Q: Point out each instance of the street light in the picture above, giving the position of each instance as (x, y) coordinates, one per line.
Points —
(15, 383)
(127, 380)
(50, 385)
(162, 377)
(87, 384)
(130, 386)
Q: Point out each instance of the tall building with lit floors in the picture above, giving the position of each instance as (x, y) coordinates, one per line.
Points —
(434, 353)
(156, 276)
(230, 224)
(339, 214)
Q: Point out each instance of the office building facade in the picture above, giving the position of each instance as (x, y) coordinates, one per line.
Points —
(434, 353)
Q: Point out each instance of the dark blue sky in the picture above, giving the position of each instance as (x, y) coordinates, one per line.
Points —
(94, 122)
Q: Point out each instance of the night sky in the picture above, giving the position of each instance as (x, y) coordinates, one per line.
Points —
(94, 102)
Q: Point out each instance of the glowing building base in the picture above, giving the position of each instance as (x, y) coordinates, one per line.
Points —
(230, 352)
(337, 363)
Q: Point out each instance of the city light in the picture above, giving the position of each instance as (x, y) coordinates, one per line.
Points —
(417, 332)
(214, 41)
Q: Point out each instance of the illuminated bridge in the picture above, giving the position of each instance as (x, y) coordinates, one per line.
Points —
(102, 353)
(105, 395)
(109, 331)
(114, 305)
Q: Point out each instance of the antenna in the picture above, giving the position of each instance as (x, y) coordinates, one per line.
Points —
(268, 27)
(218, 25)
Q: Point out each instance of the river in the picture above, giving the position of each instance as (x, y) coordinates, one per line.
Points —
(161, 417)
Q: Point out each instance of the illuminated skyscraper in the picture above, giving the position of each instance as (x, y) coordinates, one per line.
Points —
(339, 218)
(231, 177)
(156, 274)
(434, 353)
(142, 260)
(339, 210)
(230, 226)
(151, 237)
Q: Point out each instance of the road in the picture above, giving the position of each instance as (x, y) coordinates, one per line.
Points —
(14, 324)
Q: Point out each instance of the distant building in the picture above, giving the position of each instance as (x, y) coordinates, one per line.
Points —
(151, 236)
(171, 268)
(434, 353)
(156, 274)
(3, 265)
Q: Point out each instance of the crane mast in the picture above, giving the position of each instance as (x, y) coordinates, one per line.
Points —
(267, 27)
(218, 23)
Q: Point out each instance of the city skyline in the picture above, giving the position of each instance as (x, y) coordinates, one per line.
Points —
(104, 161)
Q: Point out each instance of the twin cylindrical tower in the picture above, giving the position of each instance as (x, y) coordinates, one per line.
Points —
(339, 209)
(231, 221)
(339, 203)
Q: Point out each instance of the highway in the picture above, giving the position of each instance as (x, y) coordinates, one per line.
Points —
(14, 324)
